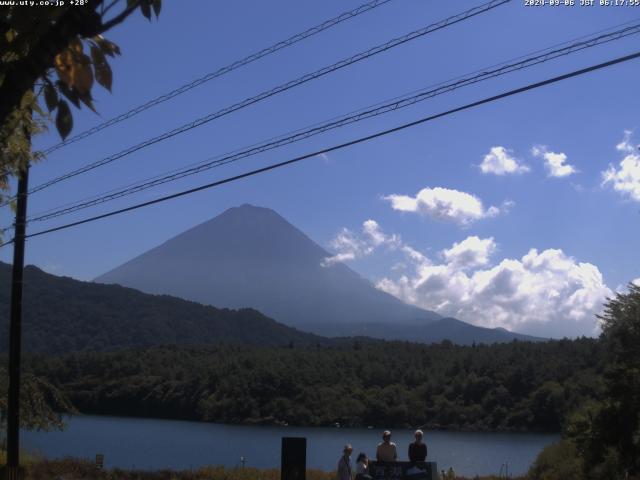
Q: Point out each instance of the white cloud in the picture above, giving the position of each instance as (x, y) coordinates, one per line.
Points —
(544, 292)
(500, 161)
(626, 177)
(377, 237)
(471, 252)
(625, 145)
(349, 246)
(555, 163)
(445, 204)
(324, 157)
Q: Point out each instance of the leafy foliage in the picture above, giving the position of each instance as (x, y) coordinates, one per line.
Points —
(607, 433)
(516, 386)
(34, 43)
(601, 439)
(559, 461)
(41, 403)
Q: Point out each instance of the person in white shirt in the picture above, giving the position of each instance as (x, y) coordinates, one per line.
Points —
(362, 467)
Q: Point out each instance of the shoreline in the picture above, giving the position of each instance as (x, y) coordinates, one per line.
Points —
(277, 424)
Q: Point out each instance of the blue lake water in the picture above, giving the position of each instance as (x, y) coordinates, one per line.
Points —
(155, 444)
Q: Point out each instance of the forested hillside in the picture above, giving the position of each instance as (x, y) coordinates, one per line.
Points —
(515, 386)
(64, 315)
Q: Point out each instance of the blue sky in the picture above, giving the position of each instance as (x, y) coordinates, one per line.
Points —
(440, 250)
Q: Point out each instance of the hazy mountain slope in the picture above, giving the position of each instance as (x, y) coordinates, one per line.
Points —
(252, 257)
(62, 315)
(452, 329)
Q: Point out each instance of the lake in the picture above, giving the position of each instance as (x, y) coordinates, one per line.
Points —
(155, 444)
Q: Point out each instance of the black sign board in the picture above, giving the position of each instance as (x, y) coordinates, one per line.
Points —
(403, 470)
(294, 458)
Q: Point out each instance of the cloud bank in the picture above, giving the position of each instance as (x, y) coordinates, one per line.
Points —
(546, 293)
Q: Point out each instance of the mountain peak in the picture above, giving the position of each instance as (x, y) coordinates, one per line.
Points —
(249, 208)
(250, 256)
(246, 214)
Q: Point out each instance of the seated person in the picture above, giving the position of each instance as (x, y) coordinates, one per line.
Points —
(386, 451)
(418, 449)
(362, 467)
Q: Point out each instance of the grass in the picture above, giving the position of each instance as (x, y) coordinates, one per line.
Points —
(37, 468)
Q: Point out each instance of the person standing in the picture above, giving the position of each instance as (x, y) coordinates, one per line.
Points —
(344, 464)
(386, 451)
(418, 449)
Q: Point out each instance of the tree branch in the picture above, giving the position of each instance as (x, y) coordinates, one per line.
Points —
(118, 19)
(23, 73)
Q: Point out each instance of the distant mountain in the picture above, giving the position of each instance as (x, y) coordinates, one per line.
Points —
(64, 315)
(252, 257)
(448, 328)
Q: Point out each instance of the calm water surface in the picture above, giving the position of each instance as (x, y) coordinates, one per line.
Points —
(156, 444)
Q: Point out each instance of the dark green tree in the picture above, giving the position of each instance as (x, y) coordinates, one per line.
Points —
(608, 434)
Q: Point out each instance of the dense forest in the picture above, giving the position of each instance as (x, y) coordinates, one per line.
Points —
(516, 386)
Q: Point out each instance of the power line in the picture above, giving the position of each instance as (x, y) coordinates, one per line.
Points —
(281, 88)
(346, 144)
(378, 109)
(573, 43)
(223, 70)
(8, 242)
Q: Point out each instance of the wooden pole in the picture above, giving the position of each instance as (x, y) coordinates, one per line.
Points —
(15, 334)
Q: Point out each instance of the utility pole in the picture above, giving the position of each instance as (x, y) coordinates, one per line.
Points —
(15, 334)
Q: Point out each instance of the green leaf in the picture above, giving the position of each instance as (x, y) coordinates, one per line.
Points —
(104, 76)
(157, 6)
(64, 119)
(145, 8)
(50, 97)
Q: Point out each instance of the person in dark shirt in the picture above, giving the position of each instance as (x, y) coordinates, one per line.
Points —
(418, 449)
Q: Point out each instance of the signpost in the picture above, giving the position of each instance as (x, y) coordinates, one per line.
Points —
(403, 470)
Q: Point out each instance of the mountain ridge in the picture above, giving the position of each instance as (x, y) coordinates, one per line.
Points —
(251, 256)
(61, 314)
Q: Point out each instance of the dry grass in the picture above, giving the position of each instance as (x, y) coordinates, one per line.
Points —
(77, 469)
